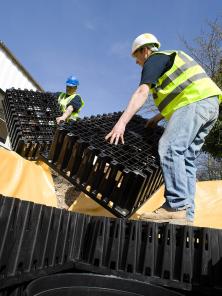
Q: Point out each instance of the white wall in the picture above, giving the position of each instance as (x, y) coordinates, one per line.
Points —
(11, 75)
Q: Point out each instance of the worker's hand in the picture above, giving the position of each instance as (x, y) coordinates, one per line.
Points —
(60, 119)
(116, 133)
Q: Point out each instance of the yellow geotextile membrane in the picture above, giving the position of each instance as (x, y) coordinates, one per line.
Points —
(30, 181)
(208, 202)
(25, 179)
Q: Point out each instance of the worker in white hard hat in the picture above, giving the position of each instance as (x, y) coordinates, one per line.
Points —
(189, 100)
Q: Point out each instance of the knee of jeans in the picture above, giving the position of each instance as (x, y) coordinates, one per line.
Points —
(167, 149)
(163, 147)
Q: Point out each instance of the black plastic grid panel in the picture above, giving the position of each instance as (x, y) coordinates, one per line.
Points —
(37, 240)
(30, 118)
(119, 177)
(181, 257)
(14, 291)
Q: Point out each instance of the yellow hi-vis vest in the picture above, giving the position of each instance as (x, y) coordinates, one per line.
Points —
(184, 83)
(64, 101)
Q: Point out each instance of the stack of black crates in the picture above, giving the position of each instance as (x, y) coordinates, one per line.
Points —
(38, 240)
(30, 118)
(119, 177)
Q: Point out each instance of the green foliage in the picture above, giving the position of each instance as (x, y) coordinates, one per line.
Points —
(209, 54)
(213, 143)
(217, 77)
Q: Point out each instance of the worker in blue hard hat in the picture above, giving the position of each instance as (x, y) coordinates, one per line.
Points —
(70, 102)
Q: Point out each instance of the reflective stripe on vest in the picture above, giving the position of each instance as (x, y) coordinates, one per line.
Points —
(184, 83)
(64, 101)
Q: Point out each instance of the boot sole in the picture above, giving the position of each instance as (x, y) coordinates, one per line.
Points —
(170, 221)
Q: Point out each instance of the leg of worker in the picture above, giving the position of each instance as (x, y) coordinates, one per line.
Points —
(192, 153)
(190, 157)
(180, 133)
(186, 131)
(172, 147)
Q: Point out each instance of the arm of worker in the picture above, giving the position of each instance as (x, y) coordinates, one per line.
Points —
(152, 122)
(136, 102)
(76, 103)
(65, 115)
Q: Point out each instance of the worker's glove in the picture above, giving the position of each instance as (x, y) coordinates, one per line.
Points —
(152, 122)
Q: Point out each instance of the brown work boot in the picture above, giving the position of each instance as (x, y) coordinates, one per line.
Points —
(181, 222)
(166, 214)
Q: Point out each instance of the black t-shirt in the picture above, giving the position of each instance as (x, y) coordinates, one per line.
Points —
(154, 67)
(76, 103)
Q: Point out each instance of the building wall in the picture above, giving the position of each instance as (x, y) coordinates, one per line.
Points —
(13, 74)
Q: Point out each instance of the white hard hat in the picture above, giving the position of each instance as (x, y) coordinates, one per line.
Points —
(144, 39)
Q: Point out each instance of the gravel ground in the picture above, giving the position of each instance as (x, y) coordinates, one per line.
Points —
(65, 191)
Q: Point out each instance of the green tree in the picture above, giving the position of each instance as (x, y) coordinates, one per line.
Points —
(208, 52)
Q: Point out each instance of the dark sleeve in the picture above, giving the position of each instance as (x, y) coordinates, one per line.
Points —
(154, 68)
(76, 103)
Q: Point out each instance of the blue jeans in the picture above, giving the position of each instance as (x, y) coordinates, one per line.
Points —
(178, 148)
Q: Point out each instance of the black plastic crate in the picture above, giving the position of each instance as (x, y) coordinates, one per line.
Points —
(13, 291)
(176, 256)
(37, 240)
(30, 118)
(120, 178)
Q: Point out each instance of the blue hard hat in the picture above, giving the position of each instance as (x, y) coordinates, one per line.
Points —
(72, 81)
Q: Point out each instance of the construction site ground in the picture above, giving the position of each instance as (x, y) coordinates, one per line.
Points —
(66, 193)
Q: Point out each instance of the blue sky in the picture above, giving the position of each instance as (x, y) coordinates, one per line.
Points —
(92, 40)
